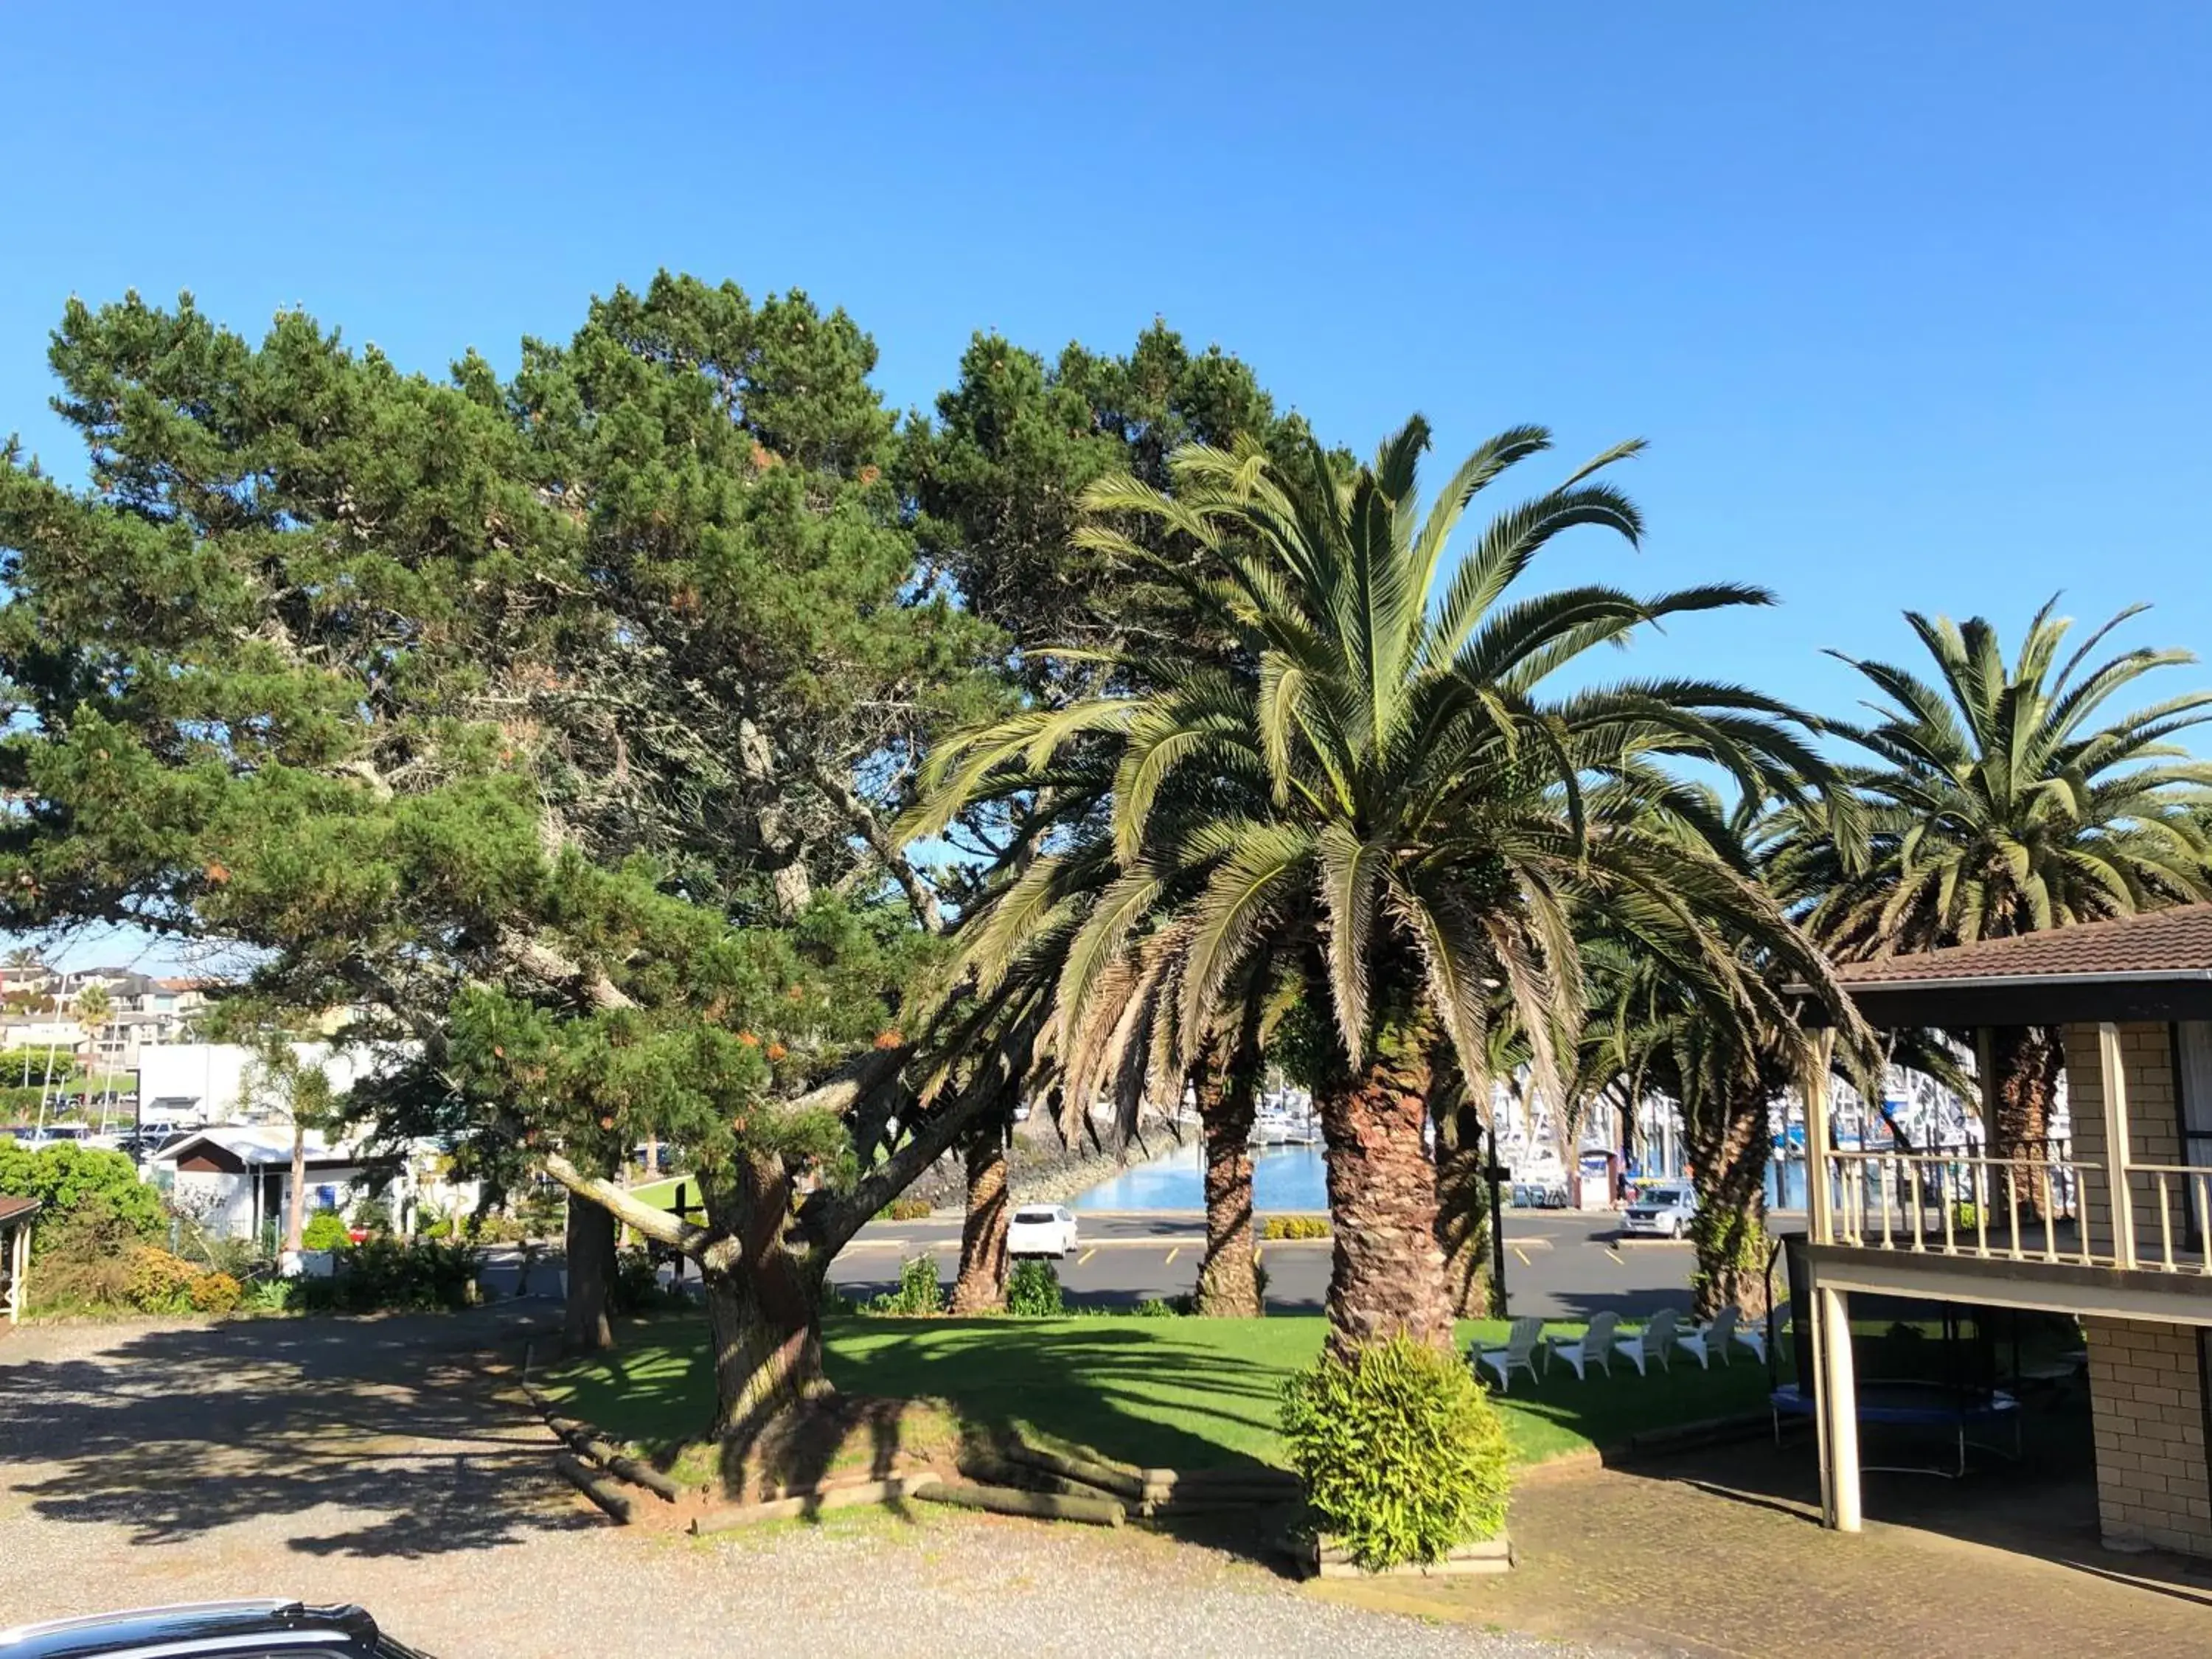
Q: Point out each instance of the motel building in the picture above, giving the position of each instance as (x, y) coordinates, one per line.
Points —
(2109, 1227)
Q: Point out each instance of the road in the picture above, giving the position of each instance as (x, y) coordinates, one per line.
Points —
(1559, 1264)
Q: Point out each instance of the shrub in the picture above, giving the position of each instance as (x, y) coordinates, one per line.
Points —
(268, 1296)
(65, 1177)
(214, 1293)
(85, 1259)
(541, 1210)
(389, 1273)
(1295, 1227)
(637, 1286)
(372, 1215)
(1153, 1308)
(216, 1253)
(905, 1209)
(1966, 1216)
(919, 1292)
(1402, 1454)
(1033, 1290)
(159, 1282)
(325, 1231)
(500, 1229)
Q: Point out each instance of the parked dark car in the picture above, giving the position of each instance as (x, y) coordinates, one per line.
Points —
(234, 1630)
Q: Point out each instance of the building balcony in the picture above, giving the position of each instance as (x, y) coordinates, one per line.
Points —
(2056, 1210)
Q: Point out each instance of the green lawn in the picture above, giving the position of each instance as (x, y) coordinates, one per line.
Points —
(661, 1194)
(1178, 1393)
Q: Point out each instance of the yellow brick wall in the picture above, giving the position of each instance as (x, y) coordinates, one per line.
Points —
(2153, 1131)
(2147, 1392)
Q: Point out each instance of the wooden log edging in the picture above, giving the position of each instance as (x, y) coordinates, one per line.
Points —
(1013, 1500)
(589, 1444)
(588, 1481)
(1149, 1492)
(799, 1504)
(1120, 1483)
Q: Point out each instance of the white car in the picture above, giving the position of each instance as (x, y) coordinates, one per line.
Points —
(1662, 1208)
(1042, 1230)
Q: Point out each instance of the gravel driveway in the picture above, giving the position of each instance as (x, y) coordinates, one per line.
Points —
(384, 1462)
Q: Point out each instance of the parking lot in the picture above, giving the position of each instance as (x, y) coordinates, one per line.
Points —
(1559, 1264)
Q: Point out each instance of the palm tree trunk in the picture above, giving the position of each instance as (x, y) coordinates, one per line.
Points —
(2028, 1060)
(1229, 1278)
(1388, 1277)
(296, 1211)
(1730, 1146)
(981, 1286)
(1464, 1213)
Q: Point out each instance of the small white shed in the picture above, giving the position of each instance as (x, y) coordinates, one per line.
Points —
(237, 1178)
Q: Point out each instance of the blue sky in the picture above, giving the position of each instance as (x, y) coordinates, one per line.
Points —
(1909, 300)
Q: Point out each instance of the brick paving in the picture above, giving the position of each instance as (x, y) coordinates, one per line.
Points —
(1722, 1554)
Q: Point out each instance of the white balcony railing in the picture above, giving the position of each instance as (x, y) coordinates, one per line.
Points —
(2051, 1208)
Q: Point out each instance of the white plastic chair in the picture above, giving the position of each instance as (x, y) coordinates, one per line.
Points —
(1592, 1347)
(1656, 1341)
(1519, 1353)
(1711, 1341)
(1753, 1335)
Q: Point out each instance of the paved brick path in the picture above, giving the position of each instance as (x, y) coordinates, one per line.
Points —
(1722, 1554)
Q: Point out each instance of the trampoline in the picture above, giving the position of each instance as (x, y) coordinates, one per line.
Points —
(1918, 1406)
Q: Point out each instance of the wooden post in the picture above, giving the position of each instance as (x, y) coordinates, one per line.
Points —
(1838, 1403)
(1818, 1201)
(19, 1267)
(2112, 1070)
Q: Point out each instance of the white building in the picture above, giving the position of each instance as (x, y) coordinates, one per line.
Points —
(236, 1179)
(206, 1082)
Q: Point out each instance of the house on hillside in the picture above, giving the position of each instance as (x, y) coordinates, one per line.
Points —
(2127, 1254)
(237, 1178)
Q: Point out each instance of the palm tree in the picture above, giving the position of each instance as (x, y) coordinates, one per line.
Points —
(1371, 793)
(2003, 800)
(93, 1009)
(281, 1079)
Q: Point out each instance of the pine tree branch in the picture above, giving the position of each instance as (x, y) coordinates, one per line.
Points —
(863, 819)
(656, 1224)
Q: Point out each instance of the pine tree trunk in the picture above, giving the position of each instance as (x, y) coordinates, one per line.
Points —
(1228, 1279)
(586, 1326)
(1463, 1217)
(1387, 1276)
(1728, 1163)
(981, 1286)
(763, 1310)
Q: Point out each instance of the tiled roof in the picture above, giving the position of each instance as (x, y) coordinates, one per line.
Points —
(2178, 941)
(10, 1208)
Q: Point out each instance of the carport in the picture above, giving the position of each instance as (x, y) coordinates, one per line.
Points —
(15, 1215)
